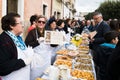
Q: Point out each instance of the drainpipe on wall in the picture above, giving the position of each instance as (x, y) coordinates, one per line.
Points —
(63, 8)
(51, 8)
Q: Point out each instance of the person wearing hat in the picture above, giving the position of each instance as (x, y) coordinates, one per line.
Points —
(60, 25)
(52, 24)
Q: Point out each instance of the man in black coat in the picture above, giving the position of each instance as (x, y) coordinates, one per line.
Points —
(101, 28)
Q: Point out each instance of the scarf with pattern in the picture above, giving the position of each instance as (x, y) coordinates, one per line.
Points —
(17, 40)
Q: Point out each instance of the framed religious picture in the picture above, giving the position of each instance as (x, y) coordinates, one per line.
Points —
(53, 37)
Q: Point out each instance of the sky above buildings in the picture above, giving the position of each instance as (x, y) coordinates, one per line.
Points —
(87, 5)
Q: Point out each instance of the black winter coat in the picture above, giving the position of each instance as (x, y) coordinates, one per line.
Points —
(113, 66)
(31, 38)
(99, 39)
(8, 55)
(101, 59)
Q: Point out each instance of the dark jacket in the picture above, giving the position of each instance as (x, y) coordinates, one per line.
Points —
(8, 56)
(113, 66)
(101, 59)
(66, 28)
(32, 37)
(101, 30)
(90, 28)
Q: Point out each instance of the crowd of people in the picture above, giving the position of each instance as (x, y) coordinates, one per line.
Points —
(17, 56)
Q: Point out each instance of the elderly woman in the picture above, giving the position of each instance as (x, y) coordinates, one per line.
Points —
(14, 55)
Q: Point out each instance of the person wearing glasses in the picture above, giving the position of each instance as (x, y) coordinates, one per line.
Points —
(35, 39)
(15, 57)
(101, 28)
(35, 36)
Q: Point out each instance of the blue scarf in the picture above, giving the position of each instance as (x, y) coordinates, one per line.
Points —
(108, 45)
(17, 40)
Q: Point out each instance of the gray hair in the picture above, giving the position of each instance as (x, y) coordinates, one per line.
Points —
(97, 13)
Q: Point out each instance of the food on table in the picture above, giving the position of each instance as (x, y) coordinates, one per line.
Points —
(62, 51)
(84, 61)
(83, 52)
(73, 53)
(63, 62)
(82, 74)
(84, 56)
(83, 67)
(86, 48)
(63, 57)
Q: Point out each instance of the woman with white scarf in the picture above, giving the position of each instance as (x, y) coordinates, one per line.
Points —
(15, 57)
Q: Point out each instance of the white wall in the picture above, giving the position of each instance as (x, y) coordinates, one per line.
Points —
(4, 7)
(66, 12)
(21, 9)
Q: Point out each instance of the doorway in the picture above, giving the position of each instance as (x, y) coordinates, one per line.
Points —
(12, 6)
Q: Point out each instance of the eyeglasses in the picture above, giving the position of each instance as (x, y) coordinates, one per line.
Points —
(41, 22)
(19, 23)
(96, 18)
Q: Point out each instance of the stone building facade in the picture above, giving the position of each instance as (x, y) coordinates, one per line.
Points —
(26, 8)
